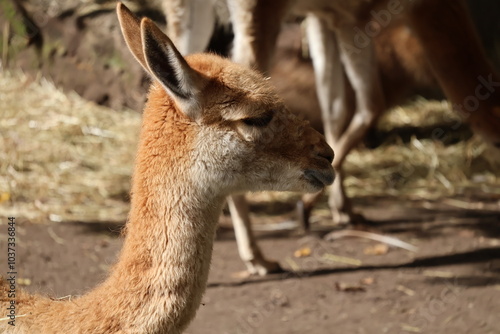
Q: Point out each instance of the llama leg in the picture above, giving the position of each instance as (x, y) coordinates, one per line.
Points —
(363, 76)
(362, 73)
(336, 112)
(256, 25)
(249, 251)
(304, 209)
(190, 23)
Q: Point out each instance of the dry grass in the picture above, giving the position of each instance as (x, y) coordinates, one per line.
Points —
(65, 159)
(424, 169)
(420, 112)
(61, 157)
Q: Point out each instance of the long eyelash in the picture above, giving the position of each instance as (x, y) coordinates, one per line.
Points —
(259, 121)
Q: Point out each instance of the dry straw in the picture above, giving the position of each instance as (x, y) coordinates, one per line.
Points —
(426, 168)
(61, 157)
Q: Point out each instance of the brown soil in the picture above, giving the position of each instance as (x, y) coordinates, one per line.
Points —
(450, 285)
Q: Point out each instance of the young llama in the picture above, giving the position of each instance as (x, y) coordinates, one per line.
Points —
(210, 128)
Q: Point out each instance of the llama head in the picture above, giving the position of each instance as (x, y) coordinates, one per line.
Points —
(240, 135)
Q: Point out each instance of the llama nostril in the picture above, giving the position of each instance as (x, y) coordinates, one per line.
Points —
(327, 155)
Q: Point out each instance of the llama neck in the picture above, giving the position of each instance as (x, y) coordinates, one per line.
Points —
(165, 260)
(166, 256)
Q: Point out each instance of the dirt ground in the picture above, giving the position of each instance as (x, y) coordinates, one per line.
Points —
(450, 285)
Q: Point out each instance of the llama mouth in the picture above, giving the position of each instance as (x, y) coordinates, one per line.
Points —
(319, 178)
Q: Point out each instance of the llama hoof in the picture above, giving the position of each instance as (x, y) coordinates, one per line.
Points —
(263, 267)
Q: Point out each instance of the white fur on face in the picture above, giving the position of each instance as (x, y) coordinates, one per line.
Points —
(214, 154)
(223, 159)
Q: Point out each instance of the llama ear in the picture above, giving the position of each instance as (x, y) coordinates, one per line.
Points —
(131, 30)
(168, 66)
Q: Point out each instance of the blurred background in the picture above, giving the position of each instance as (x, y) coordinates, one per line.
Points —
(70, 102)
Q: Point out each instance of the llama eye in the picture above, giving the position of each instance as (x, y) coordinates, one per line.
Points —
(259, 121)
